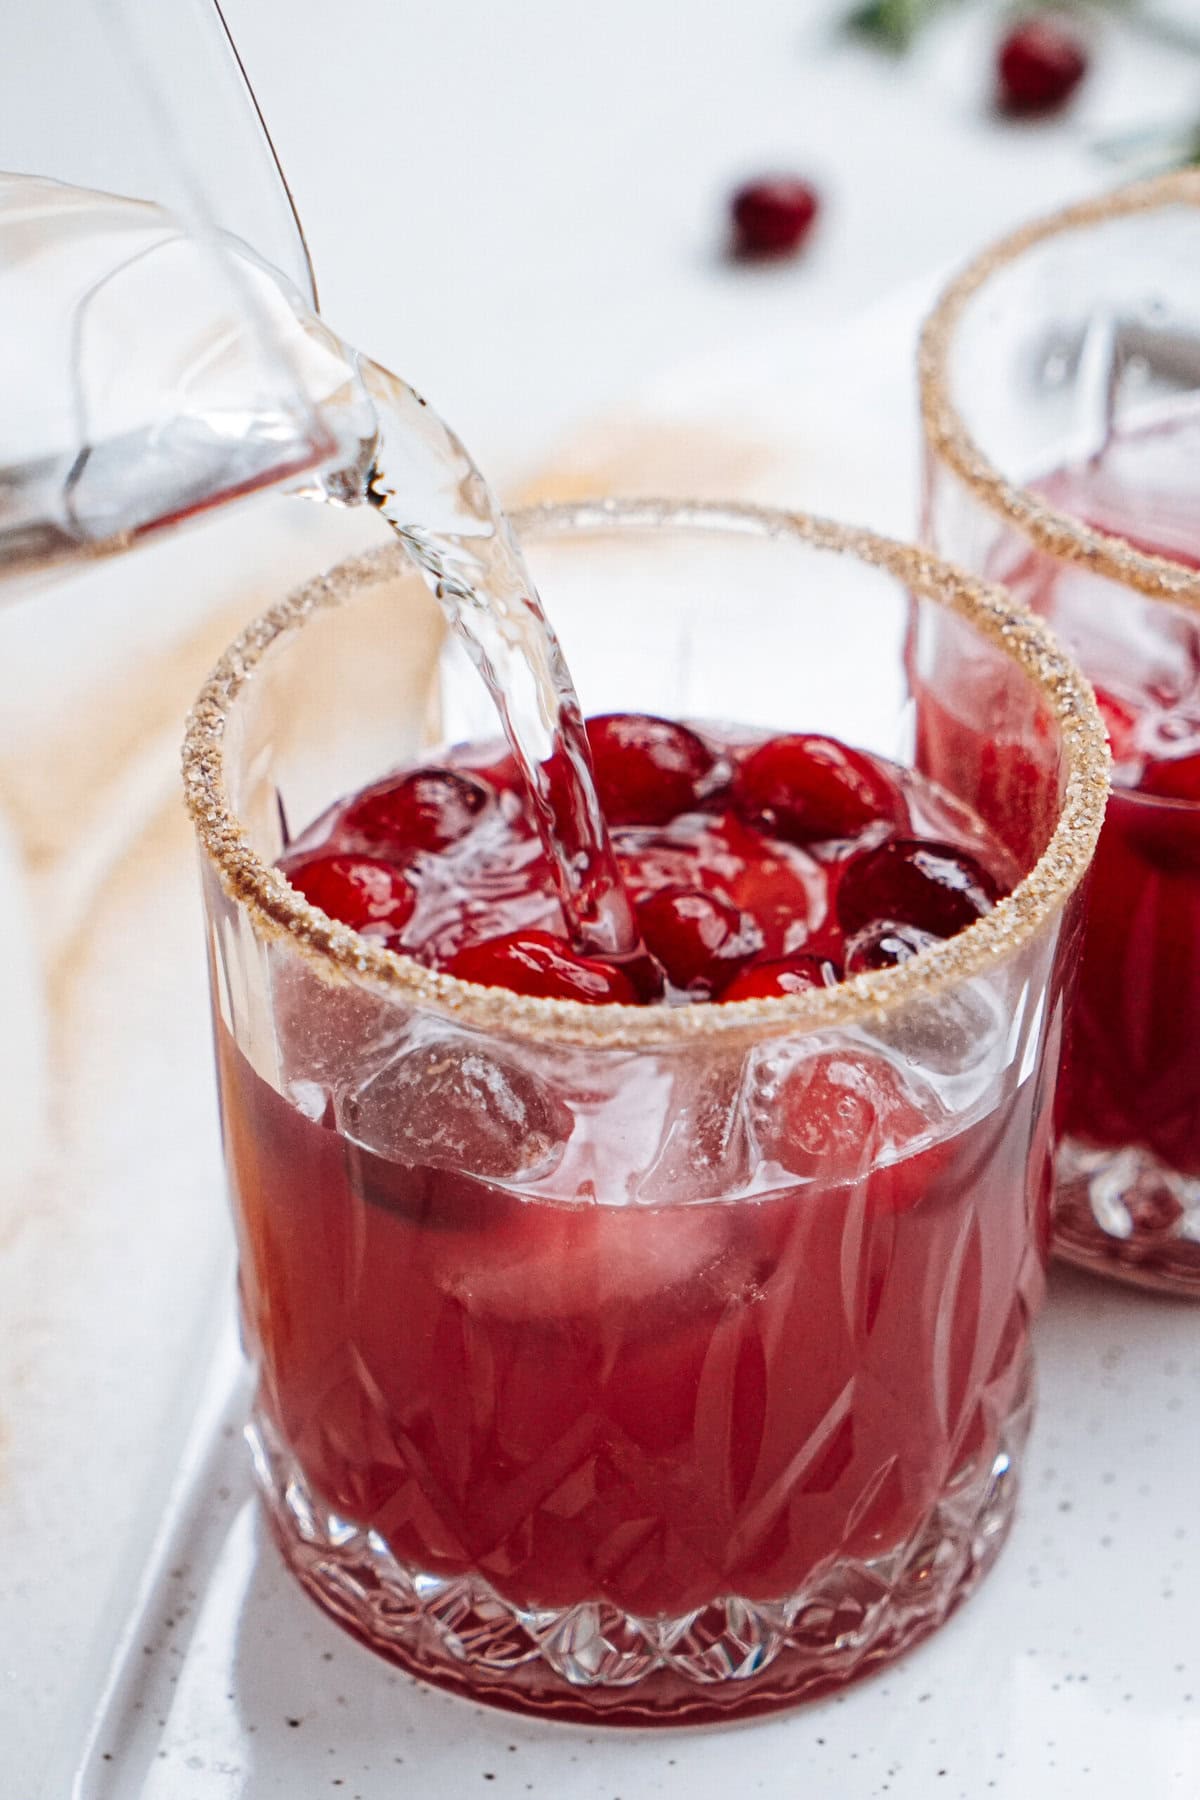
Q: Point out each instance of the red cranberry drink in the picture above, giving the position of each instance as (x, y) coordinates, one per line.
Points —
(757, 870)
(1133, 1076)
(600, 1404)
(1102, 537)
(645, 1336)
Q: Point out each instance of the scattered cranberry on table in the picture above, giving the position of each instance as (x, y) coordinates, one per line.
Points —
(1039, 65)
(772, 217)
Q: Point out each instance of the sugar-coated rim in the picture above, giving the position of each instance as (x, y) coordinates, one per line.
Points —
(339, 955)
(1056, 533)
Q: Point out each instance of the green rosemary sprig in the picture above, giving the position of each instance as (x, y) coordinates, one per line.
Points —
(1152, 150)
(894, 24)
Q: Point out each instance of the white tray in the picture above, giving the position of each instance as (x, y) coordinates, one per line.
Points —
(1072, 1672)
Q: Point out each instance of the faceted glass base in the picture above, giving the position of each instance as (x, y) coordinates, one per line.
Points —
(593, 1663)
(1124, 1213)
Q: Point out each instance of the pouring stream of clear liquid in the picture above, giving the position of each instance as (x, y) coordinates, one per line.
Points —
(461, 541)
(161, 376)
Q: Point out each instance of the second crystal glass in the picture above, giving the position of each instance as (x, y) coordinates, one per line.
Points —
(1061, 399)
(644, 1363)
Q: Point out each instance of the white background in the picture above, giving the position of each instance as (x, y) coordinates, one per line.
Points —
(520, 205)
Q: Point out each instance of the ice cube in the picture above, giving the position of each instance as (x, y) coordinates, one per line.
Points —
(705, 1152)
(948, 1035)
(448, 1104)
(555, 1260)
(310, 1098)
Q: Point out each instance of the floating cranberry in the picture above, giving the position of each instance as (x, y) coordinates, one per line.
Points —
(777, 897)
(643, 973)
(915, 882)
(834, 1115)
(1172, 778)
(699, 850)
(542, 965)
(700, 940)
(504, 775)
(648, 770)
(1039, 66)
(770, 979)
(428, 809)
(772, 216)
(806, 788)
(371, 897)
(885, 945)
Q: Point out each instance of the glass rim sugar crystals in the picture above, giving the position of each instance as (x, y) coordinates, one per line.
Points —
(1061, 535)
(338, 954)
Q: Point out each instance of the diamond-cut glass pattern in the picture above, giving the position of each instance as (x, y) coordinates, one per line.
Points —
(593, 1660)
(1126, 1211)
(698, 1456)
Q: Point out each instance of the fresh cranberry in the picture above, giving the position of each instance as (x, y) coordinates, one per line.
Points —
(540, 964)
(504, 775)
(699, 850)
(651, 860)
(643, 972)
(777, 885)
(777, 895)
(1154, 1209)
(836, 1114)
(806, 788)
(1172, 777)
(914, 882)
(1039, 65)
(700, 940)
(648, 770)
(428, 809)
(772, 979)
(936, 887)
(772, 216)
(371, 897)
(885, 945)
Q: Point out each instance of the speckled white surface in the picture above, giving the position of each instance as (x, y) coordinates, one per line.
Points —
(1073, 1672)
